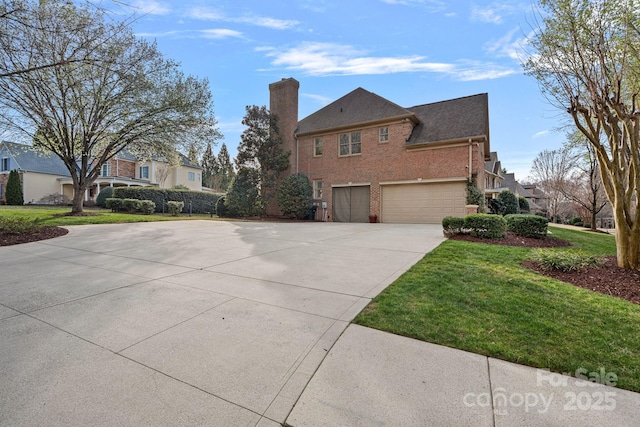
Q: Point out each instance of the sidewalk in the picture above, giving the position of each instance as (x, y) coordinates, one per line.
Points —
(373, 378)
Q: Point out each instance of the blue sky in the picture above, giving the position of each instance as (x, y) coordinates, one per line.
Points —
(409, 51)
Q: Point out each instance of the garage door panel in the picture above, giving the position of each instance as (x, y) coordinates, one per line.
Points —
(422, 203)
(351, 204)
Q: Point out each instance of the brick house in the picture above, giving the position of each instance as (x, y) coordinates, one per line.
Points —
(368, 157)
(46, 180)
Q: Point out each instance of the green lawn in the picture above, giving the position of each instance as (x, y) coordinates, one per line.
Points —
(51, 216)
(477, 297)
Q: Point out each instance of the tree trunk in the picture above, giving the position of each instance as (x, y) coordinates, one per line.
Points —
(593, 220)
(627, 244)
(78, 199)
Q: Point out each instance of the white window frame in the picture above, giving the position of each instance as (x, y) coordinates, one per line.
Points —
(383, 134)
(105, 166)
(4, 164)
(317, 147)
(317, 189)
(192, 176)
(142, 175)
(354, 148)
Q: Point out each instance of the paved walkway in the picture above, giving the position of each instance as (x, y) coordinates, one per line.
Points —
(245, 324)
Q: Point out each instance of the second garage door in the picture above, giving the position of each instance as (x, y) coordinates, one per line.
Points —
(422, 203)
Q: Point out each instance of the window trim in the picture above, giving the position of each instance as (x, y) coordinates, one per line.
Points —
(317, 142)
(144, 167)
(102, 169)
(317, 188)
(191, 176)
(351, 143)
(5, 163)
(385, 134)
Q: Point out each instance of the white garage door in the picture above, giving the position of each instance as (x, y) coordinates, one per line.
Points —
(423, 203)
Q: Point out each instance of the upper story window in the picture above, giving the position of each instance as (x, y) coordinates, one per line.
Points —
(317, 189)
(106, 169)
(383, 134)
(192, 176)
(4, 164)
(350, 143)
(144, 172)
(317, 147)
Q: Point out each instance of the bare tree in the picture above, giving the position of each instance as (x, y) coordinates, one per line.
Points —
(584, 185)
(162, 173)
(124, 94)
(585, 57)
(549, 170)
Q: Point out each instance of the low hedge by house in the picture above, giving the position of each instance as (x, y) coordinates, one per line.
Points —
(488, 226)
(201, 202)
(527, 225)
(130, 205)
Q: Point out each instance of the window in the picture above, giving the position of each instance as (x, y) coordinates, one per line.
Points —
(4, 166)
(317, 147)
(0, 191)
(199, 177)
(144, 172)
(317, 189)
(383, 134)
(106, 169)
(192, 176)
(350, 144)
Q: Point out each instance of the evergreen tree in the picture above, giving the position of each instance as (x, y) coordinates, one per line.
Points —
(261, 150)
(13, 194)
(209, 165)
(226, 172)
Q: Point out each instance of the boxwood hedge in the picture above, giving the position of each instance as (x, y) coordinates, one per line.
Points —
(527, 225)
(201, 202)
(488, 226)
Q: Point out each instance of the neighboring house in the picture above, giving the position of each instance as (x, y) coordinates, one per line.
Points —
(492, 177)
(45, 179)
(538, 198)
(368, 157)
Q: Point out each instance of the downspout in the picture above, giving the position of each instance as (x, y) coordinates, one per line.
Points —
(470, 157)
(297, 152)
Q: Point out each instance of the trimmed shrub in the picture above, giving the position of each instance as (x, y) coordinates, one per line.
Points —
(221, 207)
(527, 225)
(509, 203)
(174, 208)
(523, 204)
(201, 202)
(474, 195)
(13, 193)
(19, 225)
(131, 205)
(104, 194)
(114, 204)
(564, 260)
(487, 226)
(295, 196)
(452, 225)
(147, 207)
(575, 220)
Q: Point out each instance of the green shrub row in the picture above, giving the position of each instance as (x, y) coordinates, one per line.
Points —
(527, 225)
(19, 225)
(452, 225)
(174, 208)
(201, 202)
(487, 226)
(146, 207)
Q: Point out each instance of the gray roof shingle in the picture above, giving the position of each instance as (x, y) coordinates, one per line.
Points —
(356, 107)
(32, 160)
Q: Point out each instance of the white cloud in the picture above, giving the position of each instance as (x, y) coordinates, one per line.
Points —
(495, 12)
(320, 99)
(322, 59)
(210, 14)
(540, 134)
(507, 46)
(219, 33)
(431, 5)
(151, 7)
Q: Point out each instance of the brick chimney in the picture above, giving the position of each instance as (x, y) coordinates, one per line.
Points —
(283, 102)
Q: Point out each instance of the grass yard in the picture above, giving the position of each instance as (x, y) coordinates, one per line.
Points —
(52, 216)
(477, 297)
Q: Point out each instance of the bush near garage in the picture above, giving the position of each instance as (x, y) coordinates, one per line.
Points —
(201, 202)
(527, 225)
(452, 225)
(488, 226)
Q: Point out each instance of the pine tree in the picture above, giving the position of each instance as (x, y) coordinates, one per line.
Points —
(226, 173)
(209, 165)
(13, 195)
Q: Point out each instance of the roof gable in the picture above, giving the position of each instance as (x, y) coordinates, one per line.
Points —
(357, 107)
(30, 159)
(454, 119)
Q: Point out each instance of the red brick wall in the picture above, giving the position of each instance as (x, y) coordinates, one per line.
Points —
(123, 168)
(383, 162)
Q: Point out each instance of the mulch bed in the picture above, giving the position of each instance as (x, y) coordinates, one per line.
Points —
(46, 232)
(608, 279)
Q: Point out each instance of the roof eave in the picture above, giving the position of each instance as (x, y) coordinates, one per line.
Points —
(368, 123)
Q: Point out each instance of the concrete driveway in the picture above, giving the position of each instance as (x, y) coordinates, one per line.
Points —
(184, 323)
